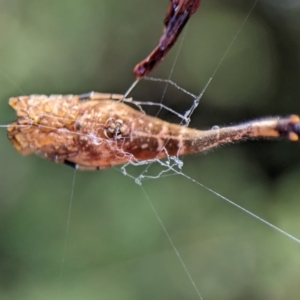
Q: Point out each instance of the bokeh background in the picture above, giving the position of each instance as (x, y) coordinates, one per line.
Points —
(115, 247)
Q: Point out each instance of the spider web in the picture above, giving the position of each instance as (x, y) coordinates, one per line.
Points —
(212, 251)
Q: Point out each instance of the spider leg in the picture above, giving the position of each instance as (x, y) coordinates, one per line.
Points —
(82, 167)
(70, 164)
(94, 96)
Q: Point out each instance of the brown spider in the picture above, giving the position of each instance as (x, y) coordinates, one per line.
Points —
(93, 131)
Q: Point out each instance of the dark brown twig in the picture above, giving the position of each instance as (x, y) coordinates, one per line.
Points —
(178, 13)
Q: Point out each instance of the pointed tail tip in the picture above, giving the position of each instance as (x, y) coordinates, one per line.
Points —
(290, 128)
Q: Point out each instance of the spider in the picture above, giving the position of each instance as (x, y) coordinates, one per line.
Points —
(95, 131)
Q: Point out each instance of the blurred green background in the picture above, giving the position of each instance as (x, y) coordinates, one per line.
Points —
(115, 247)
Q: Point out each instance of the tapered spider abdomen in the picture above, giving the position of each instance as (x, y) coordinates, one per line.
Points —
(96, 130)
